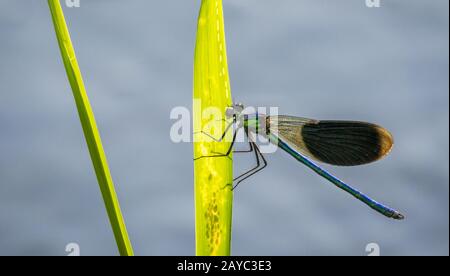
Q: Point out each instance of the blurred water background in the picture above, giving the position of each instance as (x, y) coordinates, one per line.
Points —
(323, 59)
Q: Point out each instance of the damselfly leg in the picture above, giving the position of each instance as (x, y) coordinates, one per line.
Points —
(224, 134)
(259, 156)
(261, 162)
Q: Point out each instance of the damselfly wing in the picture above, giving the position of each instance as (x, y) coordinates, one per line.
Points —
(341, 143)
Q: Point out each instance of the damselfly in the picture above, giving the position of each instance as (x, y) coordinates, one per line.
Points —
(341, 143)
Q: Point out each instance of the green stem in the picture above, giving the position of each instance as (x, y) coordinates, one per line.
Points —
(213, 176)
(90, 130)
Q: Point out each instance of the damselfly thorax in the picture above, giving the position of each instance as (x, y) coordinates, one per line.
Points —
(256, 123)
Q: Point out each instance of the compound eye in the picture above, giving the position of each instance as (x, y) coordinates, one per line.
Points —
(240, 107)
(229, 112)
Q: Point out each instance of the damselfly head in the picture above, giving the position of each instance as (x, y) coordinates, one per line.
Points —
(238, 107)
(234, 110)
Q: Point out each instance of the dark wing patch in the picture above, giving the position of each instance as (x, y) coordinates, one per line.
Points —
(346, 143)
